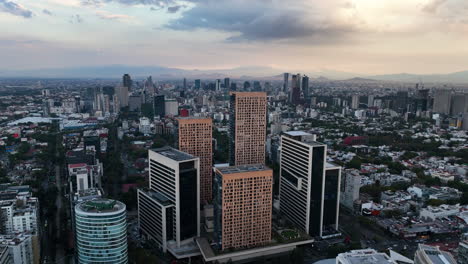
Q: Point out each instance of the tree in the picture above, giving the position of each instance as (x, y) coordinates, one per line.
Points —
(355, 163)
(435, 202)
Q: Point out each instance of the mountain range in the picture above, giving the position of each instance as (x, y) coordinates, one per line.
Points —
(251, 72)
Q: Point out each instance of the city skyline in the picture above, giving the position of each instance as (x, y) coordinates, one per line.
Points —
(351, 36)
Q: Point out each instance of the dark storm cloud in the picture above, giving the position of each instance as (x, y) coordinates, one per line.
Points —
(14, 9)
(260, 20)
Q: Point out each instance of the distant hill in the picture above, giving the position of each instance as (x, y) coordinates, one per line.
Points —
(456, 77)
(250, 72)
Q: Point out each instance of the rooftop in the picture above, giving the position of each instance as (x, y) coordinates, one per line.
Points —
(173, 154)
(100, 205)
(242, 169)
(365, 256)
(436, 255)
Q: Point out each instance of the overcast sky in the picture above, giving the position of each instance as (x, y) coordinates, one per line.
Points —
(359, 36)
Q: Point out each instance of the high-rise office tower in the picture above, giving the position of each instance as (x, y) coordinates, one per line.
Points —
(159, 105)
(459, 104)
(197, 84)
(305, 86)
(227, 83)
(122, 94)
(195, 138)
(247, 128)
(355, 101)
(233, 87)
(370, 100)
(218, 85)
(442, 101)
(246, 86)
(309, 186)
(185, 84)
(295, 95)
(127, 81)
(169, 212)
(242, 206)
(257, 87)
(101, 231)
(286, 83)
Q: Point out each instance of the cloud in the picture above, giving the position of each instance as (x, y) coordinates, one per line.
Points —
(110, 16)
(76, 19)
(174, 9)
(131, 2)
(263, 20)
(14, 9)
(433, 6)
(47, 12)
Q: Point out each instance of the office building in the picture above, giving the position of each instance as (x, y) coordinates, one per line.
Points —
(101, 231)
(159, 106)
(355, 101)
(309, 186)
(185, 84)
(195, 138)
(242, 206)
(370, 100)
(305, 86)
(218, 85)
(169, 212)
(442, 101)
(247, 128)
(197, 84)
(20, 249)
(295, 95)
(233, 87)
(432, 255)
(246, 86)
(459, 104)
(171, 107)
(134, 103)
(351, 184)
(286, 82)
(122, 95)
(227, 83)
(127, 81)
(144, 126)
(257, 87)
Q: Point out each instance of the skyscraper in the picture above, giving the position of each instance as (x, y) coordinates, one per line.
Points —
(246, 86)
(185, 84)
(286, 83)
(355, 101)
(227, 83)
(159, 106)
(442, 101)
(218, 85)
(305, 86)
(122, 94)
(195, 138)
(295, 95)
(168, 213)
(309, 186)
(101, 231)
(197, 84)
(242, 206)
(127, 81)
(247, 128)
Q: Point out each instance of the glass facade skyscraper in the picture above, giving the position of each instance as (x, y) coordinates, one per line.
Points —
(101, 232)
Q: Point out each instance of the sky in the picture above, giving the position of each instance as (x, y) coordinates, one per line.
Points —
(358, 36)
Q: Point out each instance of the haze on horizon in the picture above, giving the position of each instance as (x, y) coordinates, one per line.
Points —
(359, 36)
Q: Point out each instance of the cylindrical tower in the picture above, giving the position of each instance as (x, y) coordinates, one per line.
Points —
(101, 232)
